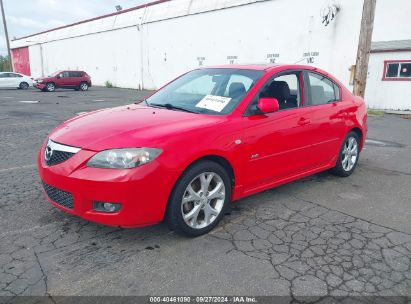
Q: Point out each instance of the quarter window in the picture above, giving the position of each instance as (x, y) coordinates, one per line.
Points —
(397, 70)
(322, 90)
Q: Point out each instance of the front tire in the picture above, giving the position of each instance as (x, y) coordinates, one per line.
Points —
(199, 199)
(24, 86)
(348, 156)
(50, 87)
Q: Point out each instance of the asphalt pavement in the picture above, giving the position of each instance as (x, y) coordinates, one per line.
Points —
(322, 235)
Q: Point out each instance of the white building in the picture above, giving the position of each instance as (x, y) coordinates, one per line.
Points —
(389, 75)
(146, 46)
(392, 44)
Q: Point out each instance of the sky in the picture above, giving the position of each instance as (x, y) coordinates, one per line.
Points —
(25, 17)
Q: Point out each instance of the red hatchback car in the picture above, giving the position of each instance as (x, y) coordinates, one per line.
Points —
(77, 80)
(210, 137)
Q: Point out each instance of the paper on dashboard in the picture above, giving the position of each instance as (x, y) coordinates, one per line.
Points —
(213, 103)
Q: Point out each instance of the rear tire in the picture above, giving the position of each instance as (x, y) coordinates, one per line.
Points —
(50, 87)
(348, 157)
(24, 85)
(199, 200)
(83, 86)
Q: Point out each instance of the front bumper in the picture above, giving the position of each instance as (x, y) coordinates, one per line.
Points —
(38, 85)
(142, 192)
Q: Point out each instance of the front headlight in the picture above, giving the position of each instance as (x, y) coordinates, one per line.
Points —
(123, 158)
(39, 81)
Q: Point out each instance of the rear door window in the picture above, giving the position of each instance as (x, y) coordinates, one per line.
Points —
(75, 74)
(322, 90)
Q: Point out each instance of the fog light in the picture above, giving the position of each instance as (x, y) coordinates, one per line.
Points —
(106, 207)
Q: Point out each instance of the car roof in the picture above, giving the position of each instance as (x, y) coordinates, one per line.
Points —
(260, 67)
(257, 67)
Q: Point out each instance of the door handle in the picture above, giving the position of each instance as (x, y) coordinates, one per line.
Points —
(303, 121)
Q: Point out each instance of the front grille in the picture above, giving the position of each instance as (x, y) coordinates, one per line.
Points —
(58, 157)
(60, 197)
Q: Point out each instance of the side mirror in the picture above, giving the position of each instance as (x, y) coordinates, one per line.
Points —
(58, 76)
(268, 105)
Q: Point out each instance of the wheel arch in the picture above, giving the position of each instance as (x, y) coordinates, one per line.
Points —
(222, 161)
(359, 133)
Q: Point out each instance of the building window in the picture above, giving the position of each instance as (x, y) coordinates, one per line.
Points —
(397, 70)
(405, 70)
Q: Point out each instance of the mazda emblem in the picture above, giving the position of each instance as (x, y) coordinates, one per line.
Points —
(48, 153)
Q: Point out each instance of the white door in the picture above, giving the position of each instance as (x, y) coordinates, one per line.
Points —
(3, 80)
(14, 80)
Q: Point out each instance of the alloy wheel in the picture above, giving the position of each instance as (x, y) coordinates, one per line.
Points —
(84, 86)
(50, 87)
(349, 154)
(203, 200)
(24, 86)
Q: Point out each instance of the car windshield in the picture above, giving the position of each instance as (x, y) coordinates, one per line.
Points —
(206, 91)
(55, 74)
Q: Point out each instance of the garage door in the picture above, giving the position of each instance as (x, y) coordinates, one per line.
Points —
(21, 61)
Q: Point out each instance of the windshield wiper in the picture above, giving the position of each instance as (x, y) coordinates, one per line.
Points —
(169, 106)
(138, 101)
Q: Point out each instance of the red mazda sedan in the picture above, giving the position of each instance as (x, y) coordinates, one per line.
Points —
(210, 137)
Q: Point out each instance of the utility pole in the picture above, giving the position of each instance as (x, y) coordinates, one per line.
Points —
(6, 34)
(364, 47)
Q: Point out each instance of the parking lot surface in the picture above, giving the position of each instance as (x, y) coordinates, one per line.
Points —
(322, 235)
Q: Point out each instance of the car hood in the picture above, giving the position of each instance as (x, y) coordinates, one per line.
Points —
(128, 126)
(42, 78)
